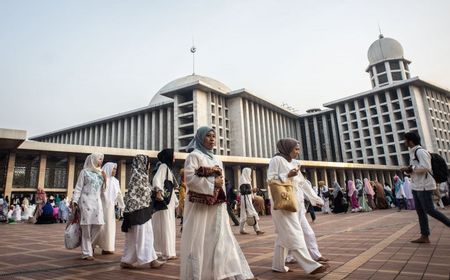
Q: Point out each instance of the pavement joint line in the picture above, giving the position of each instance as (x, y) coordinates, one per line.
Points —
(364, 257)
(3, 274)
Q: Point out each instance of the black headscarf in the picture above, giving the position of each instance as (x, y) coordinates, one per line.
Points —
(166, 157)
(285, 147)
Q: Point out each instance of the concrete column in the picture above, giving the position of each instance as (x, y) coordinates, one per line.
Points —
(236, 175)
(42, 168)
(10, 174)
(342, 179)
(264, 175)
(259, 133)
(333, 177)
(381, 177)
(114, 134)
(70, 177)
(133, 132)
(153, 142)
(126, 133)
(326, 134)
(86, 136)
(119, 133)
(341, 133)
(308, 140)
(314, 180)
(108, 134)
(139, 132)
(170, 127)
(123, 176)
(317, 138)
(264, 134)
(96, 136)
(253, 125)
(272, 133)
(146, 131)
(324, 177)
(254, 179)
(102, 135)
(162, 127)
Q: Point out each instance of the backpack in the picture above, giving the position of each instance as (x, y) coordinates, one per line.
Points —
(438, 166)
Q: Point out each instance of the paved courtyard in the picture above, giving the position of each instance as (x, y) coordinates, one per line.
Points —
(361, 246)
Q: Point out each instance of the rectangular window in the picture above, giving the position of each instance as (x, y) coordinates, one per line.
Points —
(380, 68)
(382, 79)
(395, 65)
(397, 76)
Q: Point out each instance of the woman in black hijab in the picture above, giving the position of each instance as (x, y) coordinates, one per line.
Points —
(164, 219)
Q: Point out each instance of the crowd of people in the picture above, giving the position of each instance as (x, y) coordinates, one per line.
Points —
(206, 203)
(38, 208)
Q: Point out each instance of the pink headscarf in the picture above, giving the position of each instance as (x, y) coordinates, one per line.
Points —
(351, 188)
(368, 187)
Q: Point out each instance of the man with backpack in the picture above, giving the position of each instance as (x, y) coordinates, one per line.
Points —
(425, 169)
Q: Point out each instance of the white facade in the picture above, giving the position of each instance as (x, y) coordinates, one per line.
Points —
(363, 128)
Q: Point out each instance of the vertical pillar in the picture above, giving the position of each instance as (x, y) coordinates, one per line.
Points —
(236, 175)
(314, 177)
(162, 127)
(333, 177)
(42, 167)
(123, 175)
(70, 177)
(133, 132)
(324, 177)
(10, 174)
(254, 178)
(146, 131)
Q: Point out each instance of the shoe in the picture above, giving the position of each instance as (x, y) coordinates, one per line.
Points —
(126, 265)
(421, 240)
(107, 252)
(244, 232)
(156, 264)
(322, 259)
(172, 258)
(260, 232)
(289, 270)
(318, 270)
(88, 258)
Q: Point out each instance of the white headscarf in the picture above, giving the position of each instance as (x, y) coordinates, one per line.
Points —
(246, 176)
(112, 184)
(91, 163)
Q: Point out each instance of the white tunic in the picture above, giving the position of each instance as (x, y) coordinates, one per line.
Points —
(287, 224)
(209, 249)
(110, 197)
(87, 195)
(164, 222)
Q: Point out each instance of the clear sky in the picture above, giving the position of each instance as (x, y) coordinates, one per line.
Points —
(67, 62)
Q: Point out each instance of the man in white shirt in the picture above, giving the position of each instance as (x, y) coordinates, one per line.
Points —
(422, 185)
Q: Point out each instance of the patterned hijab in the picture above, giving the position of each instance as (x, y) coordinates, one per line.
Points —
(91, 163)
(197, 142)
(285, 147)
(139, 194)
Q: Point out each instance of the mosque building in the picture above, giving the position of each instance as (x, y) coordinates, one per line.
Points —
(366, 127)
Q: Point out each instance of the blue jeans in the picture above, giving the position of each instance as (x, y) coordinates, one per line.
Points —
(424, 205)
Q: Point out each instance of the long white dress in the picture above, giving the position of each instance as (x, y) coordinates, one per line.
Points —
(112, 195)
(209, 249)
(289, 231)
(164, 221)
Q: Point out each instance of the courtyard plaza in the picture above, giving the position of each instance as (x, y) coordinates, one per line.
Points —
(360, 246)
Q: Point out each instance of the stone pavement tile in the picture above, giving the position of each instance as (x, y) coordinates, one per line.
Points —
(383, 275)
(409, 276)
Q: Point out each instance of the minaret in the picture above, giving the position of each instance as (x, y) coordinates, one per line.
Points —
(387, 64)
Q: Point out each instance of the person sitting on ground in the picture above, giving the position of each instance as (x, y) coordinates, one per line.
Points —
(46, 216)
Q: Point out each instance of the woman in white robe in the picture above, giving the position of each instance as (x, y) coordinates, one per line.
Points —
(26, 214)
(290, 235)
(164, 221)
(209, 249)
(325, 195)
(137, 215)
(112, 195)
(247, 208)
(87, 198)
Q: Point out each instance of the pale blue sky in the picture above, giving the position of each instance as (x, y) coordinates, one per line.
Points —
(67, 62)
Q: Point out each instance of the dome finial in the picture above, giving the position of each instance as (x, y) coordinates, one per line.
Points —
(380, 36)
(193, 50)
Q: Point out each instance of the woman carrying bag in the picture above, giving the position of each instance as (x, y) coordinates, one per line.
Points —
(164, 219)
(248, 212)
(284, 170)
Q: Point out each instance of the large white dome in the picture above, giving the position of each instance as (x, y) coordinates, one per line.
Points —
(384, 49)
(185, 82)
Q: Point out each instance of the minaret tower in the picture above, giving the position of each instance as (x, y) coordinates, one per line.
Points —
(387, 64)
